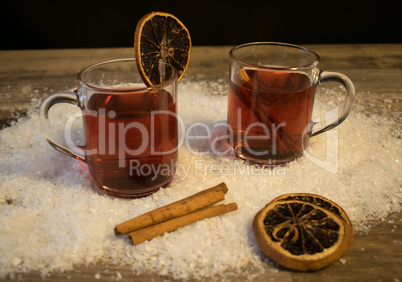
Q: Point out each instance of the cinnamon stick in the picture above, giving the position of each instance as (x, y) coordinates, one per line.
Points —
(153, 231)
(184, 206)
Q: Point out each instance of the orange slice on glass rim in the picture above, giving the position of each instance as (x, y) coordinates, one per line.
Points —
(160, 36)
(301, 235)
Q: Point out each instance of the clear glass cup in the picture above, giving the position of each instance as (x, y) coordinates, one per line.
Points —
(131, 130)
(271, 97)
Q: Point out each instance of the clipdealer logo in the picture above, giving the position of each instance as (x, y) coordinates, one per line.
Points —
(199, 139)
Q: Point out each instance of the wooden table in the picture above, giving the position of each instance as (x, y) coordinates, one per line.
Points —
(376, 71)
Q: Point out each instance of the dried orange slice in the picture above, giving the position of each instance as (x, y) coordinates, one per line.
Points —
(317, 200)
(300, 235)
(160, 36)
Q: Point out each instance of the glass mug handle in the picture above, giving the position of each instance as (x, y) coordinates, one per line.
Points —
(69, 97)
(327, 76)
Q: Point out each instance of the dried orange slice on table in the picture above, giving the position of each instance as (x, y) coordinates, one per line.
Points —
(318, 201)
(161, 36)
(304, 232)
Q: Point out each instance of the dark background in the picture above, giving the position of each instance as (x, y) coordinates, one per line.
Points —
(95, 24)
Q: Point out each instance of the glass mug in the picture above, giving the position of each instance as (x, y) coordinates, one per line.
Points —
(131, 130)
(271, 96)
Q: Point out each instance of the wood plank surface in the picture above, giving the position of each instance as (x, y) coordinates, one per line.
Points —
(376, 71)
